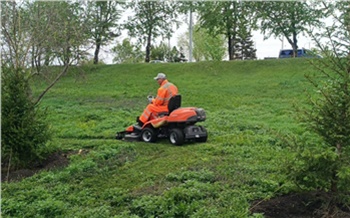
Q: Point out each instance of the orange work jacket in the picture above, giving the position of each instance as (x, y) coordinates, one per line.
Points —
(160, 103)
(165, 92)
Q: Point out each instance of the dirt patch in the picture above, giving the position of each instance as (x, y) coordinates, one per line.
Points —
(53, 161)
(300, 205)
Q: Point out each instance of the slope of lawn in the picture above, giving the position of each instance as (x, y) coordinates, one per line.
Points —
(249, 105)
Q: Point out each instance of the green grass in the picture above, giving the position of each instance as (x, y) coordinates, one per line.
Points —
(248, 104)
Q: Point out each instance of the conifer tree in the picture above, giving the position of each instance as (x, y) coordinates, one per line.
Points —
(24, 130)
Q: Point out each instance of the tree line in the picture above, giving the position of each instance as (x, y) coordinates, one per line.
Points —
(37, 33)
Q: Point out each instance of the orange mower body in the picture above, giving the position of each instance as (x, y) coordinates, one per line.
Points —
(178, 126)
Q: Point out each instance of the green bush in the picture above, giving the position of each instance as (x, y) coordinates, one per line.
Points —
(322, 152)
(23, 124)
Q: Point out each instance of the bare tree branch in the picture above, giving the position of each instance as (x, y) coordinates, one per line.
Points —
(63, 72)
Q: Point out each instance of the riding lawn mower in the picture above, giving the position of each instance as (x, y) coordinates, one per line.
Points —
(178, 125)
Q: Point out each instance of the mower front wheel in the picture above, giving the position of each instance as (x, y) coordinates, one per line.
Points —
(176, 137)
(120, 135)
(149, 134)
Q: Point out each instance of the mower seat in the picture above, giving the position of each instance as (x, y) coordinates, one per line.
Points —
(174, 103)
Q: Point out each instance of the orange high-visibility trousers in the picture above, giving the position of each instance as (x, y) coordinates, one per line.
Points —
(151, 112)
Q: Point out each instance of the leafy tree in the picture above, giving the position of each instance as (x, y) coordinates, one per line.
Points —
(126, 52)
(323, 164)
(226, 18)
(58, 32)
(37, 15)
(206, 46)
(152, 19)
(40, 33)
(173, 55)
(14, 41)
(178, 55)
(60, 40)
(160, 52)
(288, 19)
(71, 34)
(170, 55)
(102, 19)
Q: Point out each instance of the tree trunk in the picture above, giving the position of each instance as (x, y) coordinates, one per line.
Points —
(295, 45)
(334, 183)
(97, 50)
(66, 59)
(148, 48)
(230, 47)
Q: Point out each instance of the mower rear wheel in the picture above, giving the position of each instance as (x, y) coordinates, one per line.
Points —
(149, 134)
(176, 137)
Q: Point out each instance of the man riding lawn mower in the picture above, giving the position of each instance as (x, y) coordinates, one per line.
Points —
(163, 118)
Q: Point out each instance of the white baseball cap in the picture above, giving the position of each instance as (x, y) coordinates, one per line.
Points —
(160, 76)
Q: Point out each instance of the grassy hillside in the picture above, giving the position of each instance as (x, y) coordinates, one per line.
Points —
(248, 103)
